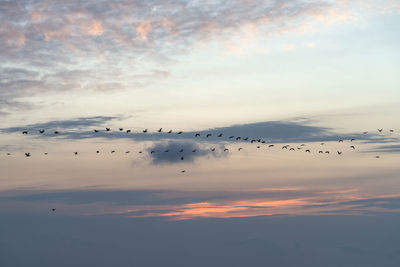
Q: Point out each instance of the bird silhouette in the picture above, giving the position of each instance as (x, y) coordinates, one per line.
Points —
(353, 147)
(128, 131)
(220, 135)
(365, 132)
(327, 152)
(53, 209)
(108, 129)
(41, 131)
(182, 158)
(320, 152)
(285, 147)
(121, 129)
(76, 153)
(8, 154)
(179, 133)
(238, 138)
(194, 150)
(145, 131)
(391, 131)
(196, 135)
(240, 148)
(322, 144)
(226, 149)
(339, 152)
(112, 151)
(380, 130)
(159, 130)
(270, 145)
(208, 135)
(46, 153)
(183, 171)
(340, 141)
(377, 157)
(253, 141)
(352, 139)
(245, 139)
(258, 146)
(302, 144)
(151, 152)
(230, 137)
(24, 132)
(308, 150)
(170, 131)
(97, 151)
(127, 152)
(291, 149)
(181, 150)
(27, 154)
(166, 150)
(96, 131)
(213, 149)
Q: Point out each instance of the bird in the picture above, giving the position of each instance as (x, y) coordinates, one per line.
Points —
(41, 131)
(320, 152)
(196, 135)
(220, 135)
(183, 171)
(24, 132)
(121, 129)
(308, 150)
(340, 141)
(391, 131)
(108, 129)
(179, 132)
(245, 139)
(380, 130)
(112, 151)
(365, 132)
(127, 152)
(53, 209)
(230, 137)
(226, 149)
(377, 157)
(339, 152)
(194, 150)
(27, 154)
(8, 154)
(96, 131)
(208, 135)
(213, 149)
(285, 147)
(76, 153)
(353, 147)
(258, 146)
(327, 152)
(322, 144)
(302, 144)
(238, 138)
(97, 151)
(140, 152)
(181, 150)
(145, 131)
(151, 152)
(270, 145)
(182, 158)
(46, 153)
(240, 148)
(159, 130)
(128, 131)
(56, 132)
(166, 150)
(170, 131)
(291, 149)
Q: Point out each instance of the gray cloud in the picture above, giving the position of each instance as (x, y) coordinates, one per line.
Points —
(169, 152)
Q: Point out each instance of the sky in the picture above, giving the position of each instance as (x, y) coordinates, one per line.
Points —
(256, 94)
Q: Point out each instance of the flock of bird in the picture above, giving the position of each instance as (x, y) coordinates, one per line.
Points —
(198, 135)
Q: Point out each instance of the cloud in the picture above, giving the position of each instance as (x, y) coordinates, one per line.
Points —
(43, 43)
(169, 152)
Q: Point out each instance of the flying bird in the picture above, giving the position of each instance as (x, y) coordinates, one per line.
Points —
(196, 135)
(291, 149)
(380, 130)
(179, 132)
(128, 131)
(97, 151)
(127, 152)
(24, 132)
(166, 150)
(96, 131)
(240, 148)
(208, 135)
(353, 147)
(340, 141)
(230, 137)
(194, 150)
(391, 131)
(159, 130)
(27, 154)
(320, 152)
(41, 131)
(181, 150)
(183, 171)
(182, 158)
(170, 131)
(365, 132)
(220, 135)
(308, 150)
(245, 139)
(213, 149)
(121, 129)
(76, 153)
(351, 140)
(151, 152)
(53, 209)
(226, 149)
(108, 129)
(238, 138)
(339, 152)
(145, 131)
(327, 152)
(112, 151)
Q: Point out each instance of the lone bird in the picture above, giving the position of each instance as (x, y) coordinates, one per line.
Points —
(320, 152)
(245, 139)
(285, 147)
(183, 171)
(108, 129)
(97, 151)
(327, 152)
(127, 152)
(182, 158)
(391, 131)
(365, 132)
(112, 151)
(27, 154)
(53, 209)
(291, 149)
(75, 153)
(166, 150)
(24, 132)
(56, 132)
(145, 131)
(271, 146)
(377, 157)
